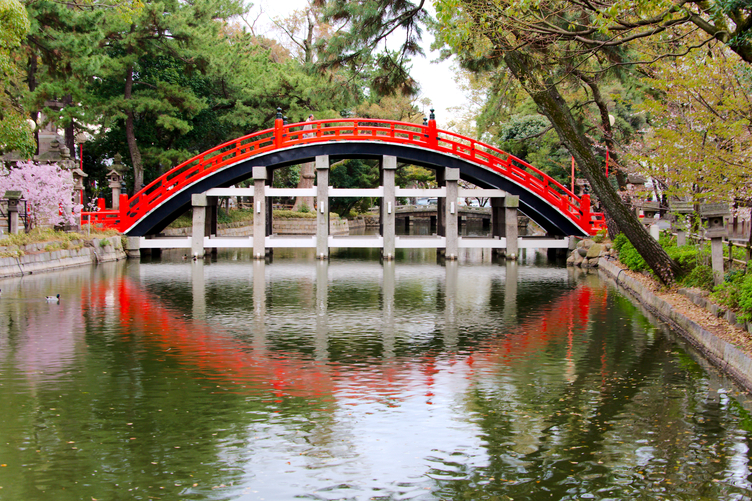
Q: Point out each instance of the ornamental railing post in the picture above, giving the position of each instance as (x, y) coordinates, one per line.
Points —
(433, 140)
(585, 208)
(279, 127)
(123, 211)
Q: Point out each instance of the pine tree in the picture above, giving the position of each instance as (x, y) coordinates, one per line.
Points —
(15, 134)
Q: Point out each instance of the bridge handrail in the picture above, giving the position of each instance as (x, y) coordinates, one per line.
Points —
(513, 167)
(348, 129)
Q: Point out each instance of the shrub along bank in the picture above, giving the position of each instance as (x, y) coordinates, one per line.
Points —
(735, 293)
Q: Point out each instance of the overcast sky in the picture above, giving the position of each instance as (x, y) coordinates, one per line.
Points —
(436, 79)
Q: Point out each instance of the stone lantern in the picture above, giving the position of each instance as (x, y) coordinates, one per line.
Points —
(14, 197)
(116, 177)
(714, 220)
(680, 211)
(649, 210)
(78, 185)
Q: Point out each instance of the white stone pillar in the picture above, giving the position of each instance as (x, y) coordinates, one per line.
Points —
(259, 212)
(716, 259)
(451, 178)
(322, 207)
(389, 167)
(133, 247)
(199, 202)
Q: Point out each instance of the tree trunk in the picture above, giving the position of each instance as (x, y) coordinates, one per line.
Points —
(31, 77)
(541, 88)
(130, 134)
(306, 181)
(70, 130)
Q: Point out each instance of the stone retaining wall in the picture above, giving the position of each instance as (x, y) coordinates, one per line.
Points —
(719, 311)
(36, 259)
(720, 353)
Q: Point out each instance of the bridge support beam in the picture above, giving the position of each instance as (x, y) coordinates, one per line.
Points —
(441, 204)
(451, 220)
(259, 213)
(322, 207)
(199, 201)
(210, 228)
(389, 206)
(511, 204)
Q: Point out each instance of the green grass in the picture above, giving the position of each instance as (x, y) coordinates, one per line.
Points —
(41, 235)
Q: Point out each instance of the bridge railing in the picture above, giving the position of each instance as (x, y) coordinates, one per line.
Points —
(348, 129)
(354, 129)
(519, 171)
(104, 218)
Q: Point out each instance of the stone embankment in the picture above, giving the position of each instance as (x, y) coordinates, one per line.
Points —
(587, 254)
(50, 256)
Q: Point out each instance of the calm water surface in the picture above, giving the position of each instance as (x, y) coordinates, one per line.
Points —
(353, 380)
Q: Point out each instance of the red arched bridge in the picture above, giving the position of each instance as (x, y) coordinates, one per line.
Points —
(542, 198)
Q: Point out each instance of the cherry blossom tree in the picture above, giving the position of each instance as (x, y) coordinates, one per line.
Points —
(47, 189)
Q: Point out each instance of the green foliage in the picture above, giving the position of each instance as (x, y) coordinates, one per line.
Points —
(629, 256)
(64, 238)
(736, 293)
(685, 88)
(700, 277)
(413, 176)
(745, 299)
(235, 216)
(304, 208)
(288, 214)
(354, 173)
(14, 132)
(729, 291)
(600, 236)
(688, 256)
(183, 221)
(619, 241)
(368, 24)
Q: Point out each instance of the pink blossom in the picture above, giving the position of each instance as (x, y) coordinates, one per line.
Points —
(47, 189)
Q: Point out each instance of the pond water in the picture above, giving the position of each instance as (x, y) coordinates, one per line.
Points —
(353, 379)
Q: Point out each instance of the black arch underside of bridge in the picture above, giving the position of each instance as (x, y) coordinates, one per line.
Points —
(531, 205)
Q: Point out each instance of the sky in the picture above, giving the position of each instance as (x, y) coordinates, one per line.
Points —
(436, 79)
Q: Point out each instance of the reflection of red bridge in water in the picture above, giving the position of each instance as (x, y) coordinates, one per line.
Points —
(241, 367)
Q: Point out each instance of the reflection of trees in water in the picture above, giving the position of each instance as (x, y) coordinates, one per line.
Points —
(633, 419)
(556, 378)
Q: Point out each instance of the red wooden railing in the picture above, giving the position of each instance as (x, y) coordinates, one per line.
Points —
(355, 129)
